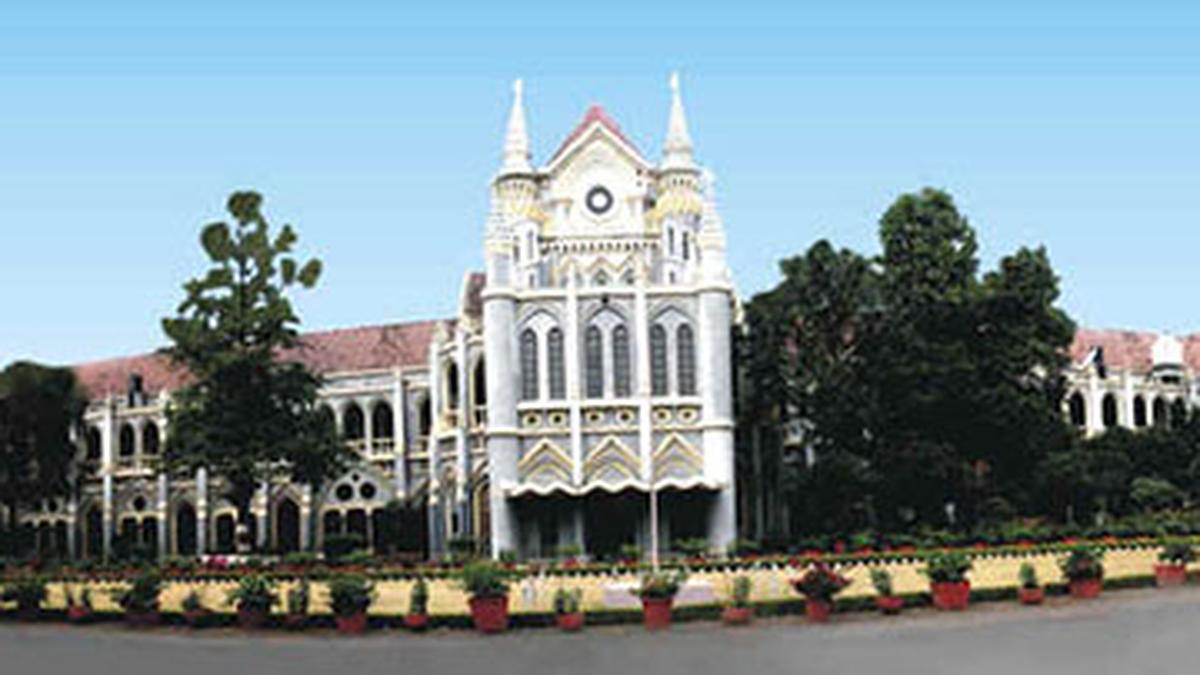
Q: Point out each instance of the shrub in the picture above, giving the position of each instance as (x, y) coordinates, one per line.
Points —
(142, 594)
(661, 585)
(27, 593)
(350, 594)
(507, 557)
(1177, 553)
(484, 579)
(1083, 563)
(461, 548)
(418, 598)
(744, 547)
(193, 603)
(820, 582)
(254, 593)
(1028, 576)
(947, 567)
(881, 579)
(631, 552)
(692, 548)
(300, 559)
(739, 595)
(298, 598)
(568, 551)
(338, 546)
(567, 600)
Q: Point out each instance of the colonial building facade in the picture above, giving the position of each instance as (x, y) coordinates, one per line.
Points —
(588, 371)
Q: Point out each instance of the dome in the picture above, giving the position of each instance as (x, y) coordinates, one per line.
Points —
(1167, 351)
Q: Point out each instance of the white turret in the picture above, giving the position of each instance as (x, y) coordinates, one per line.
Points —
(677, 150)
(1167, 351)
(516, 139)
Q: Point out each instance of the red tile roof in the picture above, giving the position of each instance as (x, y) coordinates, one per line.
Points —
(348, 349)
(594, 114)
(1130, 350)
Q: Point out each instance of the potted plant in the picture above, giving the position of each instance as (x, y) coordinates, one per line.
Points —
(886, 599)
(1173, 560)
(253, 597)
(739, 611)
(349, 596)
(819, 584)
(79, 607)
(486, 585)
(1030, 591)
(657, 591)
(948, 582)
(567, 612)
(1083, 567)
(296, 609)
(417, 618)
(195, 613)
(28, 593)
(140, 599)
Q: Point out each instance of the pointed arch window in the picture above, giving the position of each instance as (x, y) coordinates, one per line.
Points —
(687, 246)
(685, 346)
(150, 439)
(558, 380)
(95, 444)
(594, 357)
(452, 386)
(658, 360)
(1160, 411)
(1109, 411)
(126, 439)
(1077, 409)
(620, 348)
(352, 422)
(529, 367)
(382, 426)
(1139, 411)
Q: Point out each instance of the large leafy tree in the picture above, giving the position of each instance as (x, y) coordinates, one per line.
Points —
(39, 407)
(250, 414)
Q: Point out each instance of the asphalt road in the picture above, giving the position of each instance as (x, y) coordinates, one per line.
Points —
(1143, 631)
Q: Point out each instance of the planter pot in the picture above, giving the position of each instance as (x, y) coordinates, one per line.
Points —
(656, 613)
(1166, 575)
(251, 618)
(817, 611)
(889, 604)
(352, 624)
(571, 622)
(142, 619)
(490, 614)
(78, 614)
(1086, 588)
(196, 618)
(1031, 596)
(737, 616)
(951, 595)
(295, 621)
(416, 622)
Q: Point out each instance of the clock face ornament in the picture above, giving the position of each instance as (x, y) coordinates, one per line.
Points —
(599, 200)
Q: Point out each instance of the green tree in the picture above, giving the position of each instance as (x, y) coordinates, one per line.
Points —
(250, 414)
(39, 407)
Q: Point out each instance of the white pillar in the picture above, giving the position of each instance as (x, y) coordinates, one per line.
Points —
(399, 437)
(106, 473)
(161, 508)
(201, 511)
(574, 389)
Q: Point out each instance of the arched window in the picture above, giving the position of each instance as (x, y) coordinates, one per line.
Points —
(1108, 410)
(687, 246)
(150, 439)
(670, 241)
(658, 360)
(594, 357)
(1160, 411)
(1139, 411)
(1078, 410)
(126, 440)
(352, 422)
(95, 445)
(685, 347)
(452, 386)
(554, 349)
(382, 426)
(479, 384)
(1178, 413)
(529, 365)
(424, 417)
(620, 347)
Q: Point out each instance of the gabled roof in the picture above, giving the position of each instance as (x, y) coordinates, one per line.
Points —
(594, 115)
(1130, 350)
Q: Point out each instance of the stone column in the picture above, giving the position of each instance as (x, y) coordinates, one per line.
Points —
(399, 437)
(715, 371)
(107, 434)
(574, 390)
(201, 511)
(162, 513)
(463, 488)
(306, 507)
(434, 514)
(500, 353)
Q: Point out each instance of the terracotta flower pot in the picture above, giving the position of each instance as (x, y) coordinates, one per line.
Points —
(352, 624)
(1170, 574)
(570, 622)
(1031, 596)
(951, 595)
(817, 611)
(251, 618)
(416, 622)
(490, 614)
(142, 619)
(889, 604)
(656, 613)
(737, 616)
(78, 614)
(1086, 588)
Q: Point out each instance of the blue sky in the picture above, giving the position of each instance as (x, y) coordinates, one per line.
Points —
(375, 127)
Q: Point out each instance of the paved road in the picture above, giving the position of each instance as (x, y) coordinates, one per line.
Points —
(1143, 632)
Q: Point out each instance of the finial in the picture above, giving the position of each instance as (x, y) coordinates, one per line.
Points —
(518, 88)
(675, 81)
(516, 140)
(677, 150)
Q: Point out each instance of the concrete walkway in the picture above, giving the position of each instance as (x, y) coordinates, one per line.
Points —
(1142, 631)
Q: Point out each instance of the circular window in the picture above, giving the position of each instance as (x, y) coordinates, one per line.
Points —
(139, 503)
(52, 506)
(367, 491)
(344, 492)
(599, 200)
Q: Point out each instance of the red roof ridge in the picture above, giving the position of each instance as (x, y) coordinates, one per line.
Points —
(595, 114)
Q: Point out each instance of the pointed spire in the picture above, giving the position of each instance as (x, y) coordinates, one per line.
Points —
(516, 140)
(677, 151)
